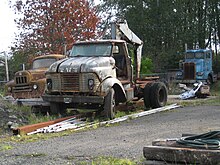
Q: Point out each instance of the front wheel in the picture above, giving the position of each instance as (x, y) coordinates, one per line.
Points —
(158, 95)
(209, 80)
(109, 104)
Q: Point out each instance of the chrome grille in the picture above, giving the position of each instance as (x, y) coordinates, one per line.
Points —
(72, 82)
(21, 80)
(189, 71)
(22, 88)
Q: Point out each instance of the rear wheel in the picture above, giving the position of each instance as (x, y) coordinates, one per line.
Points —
(158, 95)
(147, 100)
(109, 104)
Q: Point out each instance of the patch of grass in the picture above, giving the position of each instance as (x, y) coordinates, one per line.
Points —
(121, 113)
(109, 161)
(35, 137)
(5, 147)
(215, 88)
(33, 118)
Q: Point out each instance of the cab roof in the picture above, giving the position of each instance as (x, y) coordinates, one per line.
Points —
(99, 41)
(198, 50)
(50, 56)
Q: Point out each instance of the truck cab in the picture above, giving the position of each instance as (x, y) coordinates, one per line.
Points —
(196, 66)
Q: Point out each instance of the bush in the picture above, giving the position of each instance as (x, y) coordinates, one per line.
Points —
(146, 65)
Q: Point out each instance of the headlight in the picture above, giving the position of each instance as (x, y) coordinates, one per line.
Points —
(35, 86)
(9, 89)
(179, 73)
(49, 84)
(90, 84)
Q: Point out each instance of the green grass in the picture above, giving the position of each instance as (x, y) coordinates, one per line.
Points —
(103, 160)
(5, 147)
(33, 118)
(215, 89)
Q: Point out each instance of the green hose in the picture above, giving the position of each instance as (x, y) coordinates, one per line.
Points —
(210, 140)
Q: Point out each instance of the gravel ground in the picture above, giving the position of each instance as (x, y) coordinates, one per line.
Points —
(125, 140)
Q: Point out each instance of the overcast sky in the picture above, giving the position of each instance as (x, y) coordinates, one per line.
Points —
(7, 26)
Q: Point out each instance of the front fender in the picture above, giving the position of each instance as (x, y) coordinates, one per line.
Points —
(114, 83)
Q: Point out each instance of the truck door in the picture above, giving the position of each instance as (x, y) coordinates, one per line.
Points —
(120, 62)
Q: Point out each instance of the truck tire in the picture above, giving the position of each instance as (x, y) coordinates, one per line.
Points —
(147, 100)
(109, 104)
(57, 108)
(209, 80)
(158, 95)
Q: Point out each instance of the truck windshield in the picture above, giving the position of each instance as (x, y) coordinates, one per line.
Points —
(96, 49)
(197, 55)
(189, 55)
(43, 63)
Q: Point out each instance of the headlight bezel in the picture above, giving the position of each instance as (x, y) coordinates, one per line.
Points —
(9, 89)
(35, 86)
(49, 84)
(91, 84)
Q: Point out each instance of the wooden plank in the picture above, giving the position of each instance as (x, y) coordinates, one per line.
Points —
(181, 155)
(29, 128)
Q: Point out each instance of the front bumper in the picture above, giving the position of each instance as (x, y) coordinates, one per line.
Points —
(27, 102)
(73, 99)
(32, 102)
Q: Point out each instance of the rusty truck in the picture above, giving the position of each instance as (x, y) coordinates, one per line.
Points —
(99, 75)
(28, 86)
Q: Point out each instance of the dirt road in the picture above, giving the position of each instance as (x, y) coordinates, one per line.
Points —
(125, 140)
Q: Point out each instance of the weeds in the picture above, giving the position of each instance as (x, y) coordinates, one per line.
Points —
(33, 118)
(5, 147)
(108, 161)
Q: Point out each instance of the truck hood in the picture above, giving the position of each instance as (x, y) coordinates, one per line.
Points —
(82, 64)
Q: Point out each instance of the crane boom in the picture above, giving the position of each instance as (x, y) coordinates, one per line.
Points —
(120, 30)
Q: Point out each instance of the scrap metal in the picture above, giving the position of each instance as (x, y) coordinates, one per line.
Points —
(80, 123)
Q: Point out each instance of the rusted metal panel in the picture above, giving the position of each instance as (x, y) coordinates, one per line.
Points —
(189, 71)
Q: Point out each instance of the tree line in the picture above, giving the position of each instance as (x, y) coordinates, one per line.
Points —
(165, 26)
